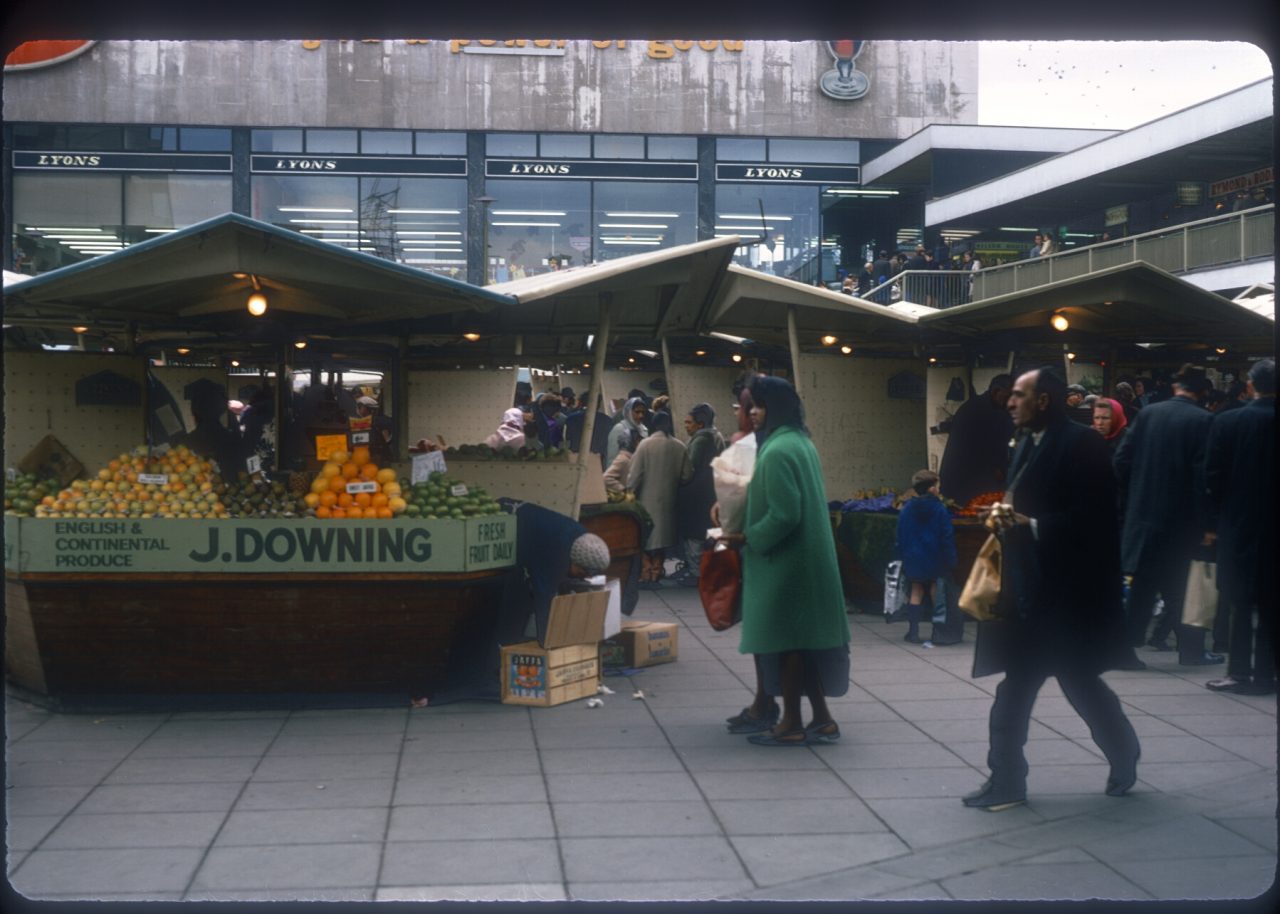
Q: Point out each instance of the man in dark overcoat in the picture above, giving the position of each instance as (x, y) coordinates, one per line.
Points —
(1240, 482)
(1054, 619)
(1164, 514)
(977, 450)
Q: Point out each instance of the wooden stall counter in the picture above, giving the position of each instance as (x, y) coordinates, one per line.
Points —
(170, 608)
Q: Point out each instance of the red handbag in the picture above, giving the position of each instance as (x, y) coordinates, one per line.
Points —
(720, 587)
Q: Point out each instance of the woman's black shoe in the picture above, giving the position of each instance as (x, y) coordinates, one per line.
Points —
(995, 798)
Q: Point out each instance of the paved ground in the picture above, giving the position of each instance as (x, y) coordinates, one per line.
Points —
(649, 798)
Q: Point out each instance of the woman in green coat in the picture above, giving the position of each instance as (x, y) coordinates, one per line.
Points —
(793, 614)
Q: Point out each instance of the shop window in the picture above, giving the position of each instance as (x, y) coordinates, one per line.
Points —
(205, 139)
(673, 147)
(63, 219)
(738, 150)
(332, 141)
(632, 217)
(612, 146)
(325, 208)
(537, 226)
(105, 139)
(155, 204)
(440, 144)
(511, 144)
(421, 222)
(150, 139)
(386, 142)
(39, 136)
(835, 152)
(789, 234)
(564, 146)
(276, 141)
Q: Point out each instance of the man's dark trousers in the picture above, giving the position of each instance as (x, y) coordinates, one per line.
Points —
(1164, 573)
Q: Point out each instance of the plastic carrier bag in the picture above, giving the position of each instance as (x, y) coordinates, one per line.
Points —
(895, 592)
(732, 473)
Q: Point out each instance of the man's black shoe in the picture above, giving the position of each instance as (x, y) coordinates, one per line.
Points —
(1205, 659)
(995, 798)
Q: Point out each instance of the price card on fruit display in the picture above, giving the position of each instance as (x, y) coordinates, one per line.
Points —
(253, 464)
(153, 479)
(359, 437)
(355, 488)
(330, 444)
(459, 490)
(426, 464)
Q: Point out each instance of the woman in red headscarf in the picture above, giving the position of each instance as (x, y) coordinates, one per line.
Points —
(1110, 421)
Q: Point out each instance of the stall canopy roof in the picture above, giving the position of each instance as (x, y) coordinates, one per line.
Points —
(1130, 303)
(654, 294)
(754, 305)
(190, 277)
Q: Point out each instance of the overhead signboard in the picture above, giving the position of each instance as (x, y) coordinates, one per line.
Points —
(122, 161)
(790, 174)
(357, 165)
(1259, 178)
(593, 169)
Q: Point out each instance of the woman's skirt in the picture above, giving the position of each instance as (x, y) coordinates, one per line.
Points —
(832, 664)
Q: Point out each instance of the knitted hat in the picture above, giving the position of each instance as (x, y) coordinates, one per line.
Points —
(590, 553)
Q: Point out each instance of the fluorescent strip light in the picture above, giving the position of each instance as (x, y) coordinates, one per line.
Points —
(329, 231)
(633, 237)
(651, 244)
(159, 231)
(736, 340)
(734, 228)
(755, 216)
(435, 222)
(427, 212)
(644, 225)
(400, 233)
(446, 250)
(591, 338)
(83, 237)
(846, 192)
(314, 209)
(1079, 234)
(1018, 228)
(43, 228)
(528, 212)
(429, 260)
(325, 221)
(643, 215)
(544, 224)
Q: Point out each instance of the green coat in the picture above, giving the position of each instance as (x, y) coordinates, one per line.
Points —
(791, 593)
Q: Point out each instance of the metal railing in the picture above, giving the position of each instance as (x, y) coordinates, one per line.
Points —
(1213, 242)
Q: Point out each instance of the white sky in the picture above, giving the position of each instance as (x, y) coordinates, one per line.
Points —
(1106, 84)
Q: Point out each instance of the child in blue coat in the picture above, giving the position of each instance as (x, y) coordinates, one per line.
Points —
(927, 546)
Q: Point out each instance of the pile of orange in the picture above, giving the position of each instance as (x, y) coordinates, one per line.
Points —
(116, 491)
(329, 496)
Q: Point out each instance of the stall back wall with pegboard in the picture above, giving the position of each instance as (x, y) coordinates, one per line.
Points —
(176, 378)
(463, 407)
(40, 399)
(941, 409)
(694, 384)
(864, 438)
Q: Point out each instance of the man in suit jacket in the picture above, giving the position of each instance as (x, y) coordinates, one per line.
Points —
(1240, 482)
(1054, 619)
(1164, 514)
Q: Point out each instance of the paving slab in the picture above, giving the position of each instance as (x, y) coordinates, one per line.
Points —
(756, 785)
(360, 766)
(617, 761)
(608, 736)
(743, 756)
(434, 761)
(945, 709)
(625, 817)
(82, 728)
(931, 821)
(302, 867)
(511, 891)
(860, 754)
(430, 790)
(317, 794)
(88, 873)
(41, 750)
(1261, 830)
(417, 863)
(1178, 879)
(646, 859)
(1207, 725)
(335, 744)
(304, 826)
(58, 772)
(848, 884)
(773, 859)
(765, 816)
(144, 798)
(1177, 776)
(44, 801)
(237, 768)
(1048, 881)
(660, 890)
(1260, 750)
(604, 788)
(22, 833)
(135, 829)
(471, 821)
(937, 781)
(203, 747)
(215, 728)
(1189, 836)
(300, 894)
(923, 891)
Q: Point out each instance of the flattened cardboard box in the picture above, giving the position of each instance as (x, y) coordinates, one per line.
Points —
(641, 644)
(566, 666)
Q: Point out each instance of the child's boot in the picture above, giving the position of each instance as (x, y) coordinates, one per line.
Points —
(915, 612)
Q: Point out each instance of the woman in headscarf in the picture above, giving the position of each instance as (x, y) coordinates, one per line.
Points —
(793, 612)
(549, 419)
(654, 476)
(510, 433)
(615, 478)
(632, 419)
(1110, 422)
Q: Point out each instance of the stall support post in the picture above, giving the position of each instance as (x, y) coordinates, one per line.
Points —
(666, 373)
(794, 339)
(400, 400)
(593, 393)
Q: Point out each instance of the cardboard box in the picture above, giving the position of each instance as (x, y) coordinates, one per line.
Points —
(641, 644)
(50, 458)
(544, 677)
(566, 666)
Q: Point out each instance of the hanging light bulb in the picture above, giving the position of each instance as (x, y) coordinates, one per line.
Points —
(471, 337)
(846, 349)
(828, 340)
(183, 350)
(86, 330)
(700, 352)
(1059, 322)
(1071, 356)
(235, 363)
(257, 304)
(736, 357)
(300, 344)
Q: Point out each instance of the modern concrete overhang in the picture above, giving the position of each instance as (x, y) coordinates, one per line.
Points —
(911, 161)
(1216, 139)
(1122, 306)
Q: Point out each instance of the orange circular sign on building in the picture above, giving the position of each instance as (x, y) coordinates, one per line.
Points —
(31, 55)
